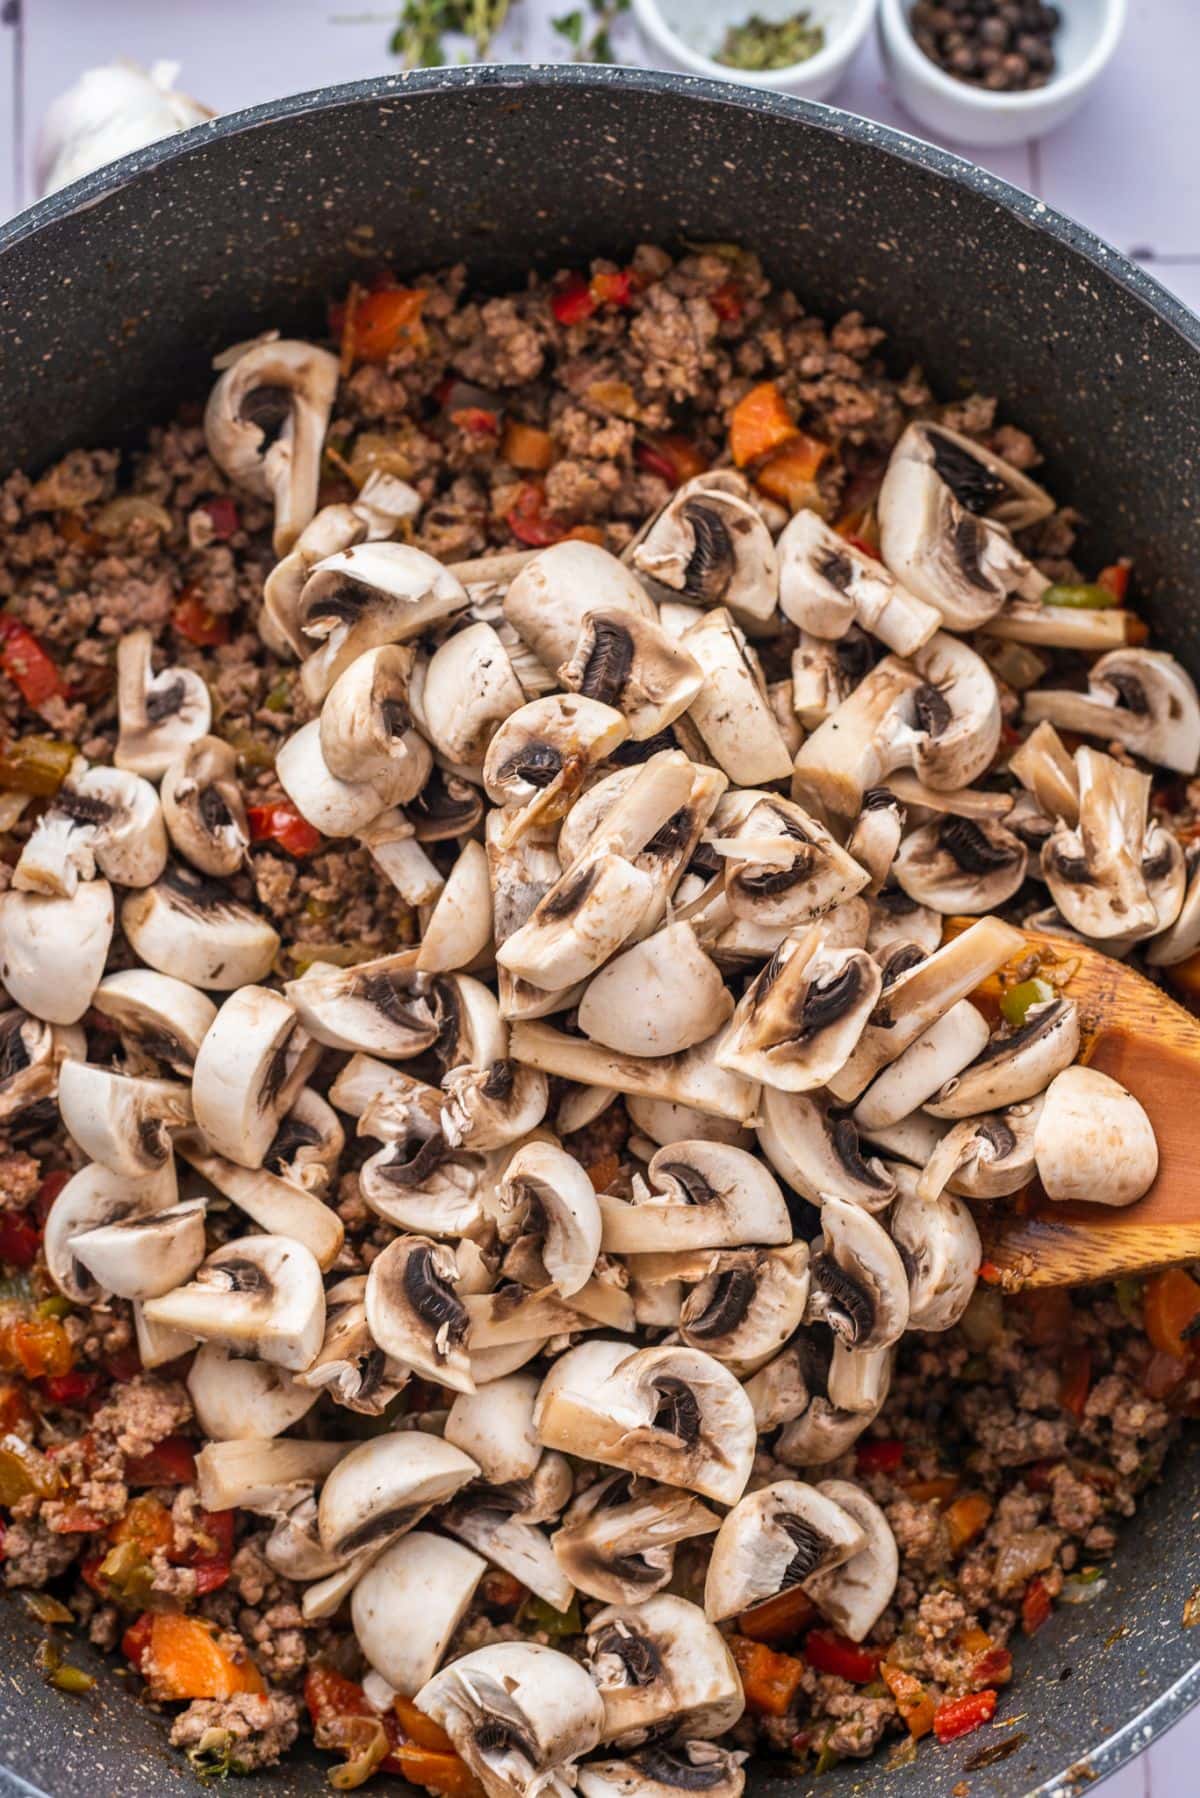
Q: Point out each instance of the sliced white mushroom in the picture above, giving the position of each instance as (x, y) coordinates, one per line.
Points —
(801, 1017)
(1142, 698)
(192, 929)
(308, 1143)
(158, 715)
(392, 843)
(747, 1304)
(203, 808)
(549, 597)
(417, 1181)
(105, 818)
(659, 997)
(912, 1140)
(495, 1427)
(366, 596)
(858, 1283)
(917, 998)
(693, 1079)
(123, 1121)
(142, 1257)
(858, 1379)
(1117, 874)
(985, 1157)
(250, 1067)
(236, 1397)
(414, 1312)
(349, 1366)
(663, 1670)
(343, 808)
(777, 1537)
(264, 1474)
(713, 549)
(490, 1107)
(938, 713)
(52, 951)
(382, 1007)
(855, 1594)
(657, 1772)
(925, 1068)
(31, 1053)
(895, 919)
(818, 1153)
(546, 1195)
(732, 711)
(459, 928)
(469, 688)
(91, 1200)
(482, 1519)
(1175, 944)
(293, 1547)
(781, 865)
(259, 1294)
(702, 1195)
(1046, 770)
(366, 722)
(520, 1715)
(277, 1206)
(670, 1414)
(429, 1583)
(940, 1247)
(663, 1122)
(936, 535)
(826, 584)
(1093, 1140)
(617, 1540)
(824, 673)
(385, 1486)
(265, 425)
(156, 1345)
(1013, 1065)
(630, 662)
(538, 759)
(961, 865)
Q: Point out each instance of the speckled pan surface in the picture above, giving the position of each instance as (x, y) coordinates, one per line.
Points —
(114, 294)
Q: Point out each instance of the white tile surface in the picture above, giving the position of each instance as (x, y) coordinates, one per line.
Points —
(1127, 166)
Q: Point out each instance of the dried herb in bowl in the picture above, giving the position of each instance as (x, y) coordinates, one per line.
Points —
(771, 43)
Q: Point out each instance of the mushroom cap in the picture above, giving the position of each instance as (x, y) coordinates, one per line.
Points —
(414, 1313)
(707, 1195)
(1093, 1140)
(781, 866)
(380, 1007)
(671, 1414)
(365, 721)
(428, 1582)
(276, 1206)
(547, 741)
(617, 1540)
(124, 1121)
(987, 1156)
(265, 424)
(774, 1538)
(143, 1257)
(628, 661)
(482, 1519)
(548, 599)
(469, 689)
(1013, 1066)
(1142, 697)
(343, 808)
(91, 1199)
(818, 1153)
(859, 1286)
(662, 1669)
(658, 997)
(925, 1068)
(961, 865)
(516, 1712)
(495, 1427)
(160, 1020)
(490, 1107)
(826, 584)
(190, 928)
(545, 1192)
(203, 809)
(236, 1399)
(365, 596)
(747, 1305)
(732, 711)
(801, 1017)
(459, 929)
(385, 1485)
(711, 547)
(52, 950)
(308, 1143)
(250, 1066)
(657, 1772)
(158, 715)
(581, 921)
(855, 1594)
(262, 1293)
(940, 1247)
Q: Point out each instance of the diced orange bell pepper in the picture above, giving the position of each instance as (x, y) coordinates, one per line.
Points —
(966, 1518)
(790, 475)
(960, 1716)
(769, 1680)
(384, 322)
(1172, 1312)
(674, 457)
(913, 1702)
(1075, 1379)
(184, 1660)
(940, 1489)
(585, 533)
(760, 423)
(779, 1619)
(526, 446)
(446, 1774)
(34, 1346)
(419, 1729)
(147, 1523)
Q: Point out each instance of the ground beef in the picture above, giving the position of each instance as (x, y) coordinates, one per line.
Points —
(34, 1554)
(242, 1733)
(20, 1177)
(141, 1413)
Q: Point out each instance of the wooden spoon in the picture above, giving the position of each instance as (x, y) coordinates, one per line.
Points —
(1132, 1031)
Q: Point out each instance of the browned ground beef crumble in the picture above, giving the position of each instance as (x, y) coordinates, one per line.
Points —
(982, 1401)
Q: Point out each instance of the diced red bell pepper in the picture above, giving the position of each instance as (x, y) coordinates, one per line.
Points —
(1074, 1380)
(194, 620)
(476, 421)
(223, 516)
(171, 1462)
(123, 1365)
(76, 1520)
(726, 301)
(70, 1388)
(572, 301)
(136, 1640)
(959, 1716)
(1036, 1605)
(19, 1239)
(829, 1652)
(32, 671)
(879, 1456)
(212, 1569)
(282, 825)
(673, 458)
(1115, 580)
(613, 289)
(993, 1668)
(530, 522)
(52, 1184)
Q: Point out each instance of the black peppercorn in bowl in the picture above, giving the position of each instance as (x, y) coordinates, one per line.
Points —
(994, 72)
(117, 292)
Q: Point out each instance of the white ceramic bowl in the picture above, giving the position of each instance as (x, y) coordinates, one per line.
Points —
(683, 34)
(1083, 45)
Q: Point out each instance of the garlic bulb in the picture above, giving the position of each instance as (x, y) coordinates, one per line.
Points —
(108, 112)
